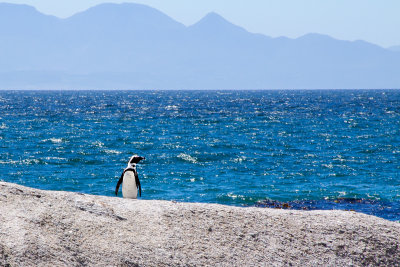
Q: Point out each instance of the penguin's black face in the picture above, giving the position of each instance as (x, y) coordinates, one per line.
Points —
(136, 159)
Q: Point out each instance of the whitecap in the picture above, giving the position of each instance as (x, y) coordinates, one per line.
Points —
(8, 161)
(21, 162)
(55, 158)
(98, 144)
(171, 107)
(53, 140)
(112, 151)
(239, 159)
(30, 161)
(187, 157)
(329, 166)
(234, 196)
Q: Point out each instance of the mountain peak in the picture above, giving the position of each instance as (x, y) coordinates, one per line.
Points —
(16, 6)
(123, 7)
(11, 10)
(315, 36)
(125, 15)
(213, 22)
(118, 10)
(18, 15)
(212, 18)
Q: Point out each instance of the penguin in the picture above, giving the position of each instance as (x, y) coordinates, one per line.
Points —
(130, 179)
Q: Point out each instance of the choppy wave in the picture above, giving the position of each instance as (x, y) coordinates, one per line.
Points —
(112, 151)
(187, 157)
(53, 140)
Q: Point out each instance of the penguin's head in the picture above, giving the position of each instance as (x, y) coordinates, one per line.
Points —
(135, 159)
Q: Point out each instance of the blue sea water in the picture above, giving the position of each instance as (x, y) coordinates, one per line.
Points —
(308, 148)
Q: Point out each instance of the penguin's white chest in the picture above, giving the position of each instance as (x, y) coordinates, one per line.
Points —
(129, 189)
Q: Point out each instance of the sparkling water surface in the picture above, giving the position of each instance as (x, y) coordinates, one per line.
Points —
(229, 147)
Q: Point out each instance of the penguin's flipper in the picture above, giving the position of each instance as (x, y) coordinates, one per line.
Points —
(138, 184)
(119, 183)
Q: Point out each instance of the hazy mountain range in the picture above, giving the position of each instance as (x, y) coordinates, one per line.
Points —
(132, 46)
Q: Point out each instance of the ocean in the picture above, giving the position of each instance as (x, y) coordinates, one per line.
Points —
(300, 149)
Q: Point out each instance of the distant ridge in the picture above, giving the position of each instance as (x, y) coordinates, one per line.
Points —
(133, 46)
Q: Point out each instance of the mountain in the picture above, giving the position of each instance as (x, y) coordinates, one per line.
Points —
(133, 46)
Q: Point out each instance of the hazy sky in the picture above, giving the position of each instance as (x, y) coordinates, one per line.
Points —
(375, 21)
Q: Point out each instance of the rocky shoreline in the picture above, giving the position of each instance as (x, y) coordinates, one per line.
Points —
(51, 228)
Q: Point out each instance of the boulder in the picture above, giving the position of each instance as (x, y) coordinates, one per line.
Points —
(51, 228)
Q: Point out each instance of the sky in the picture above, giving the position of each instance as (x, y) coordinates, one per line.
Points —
(375, 21)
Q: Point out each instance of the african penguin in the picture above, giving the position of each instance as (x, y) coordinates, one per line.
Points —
(130, 179)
